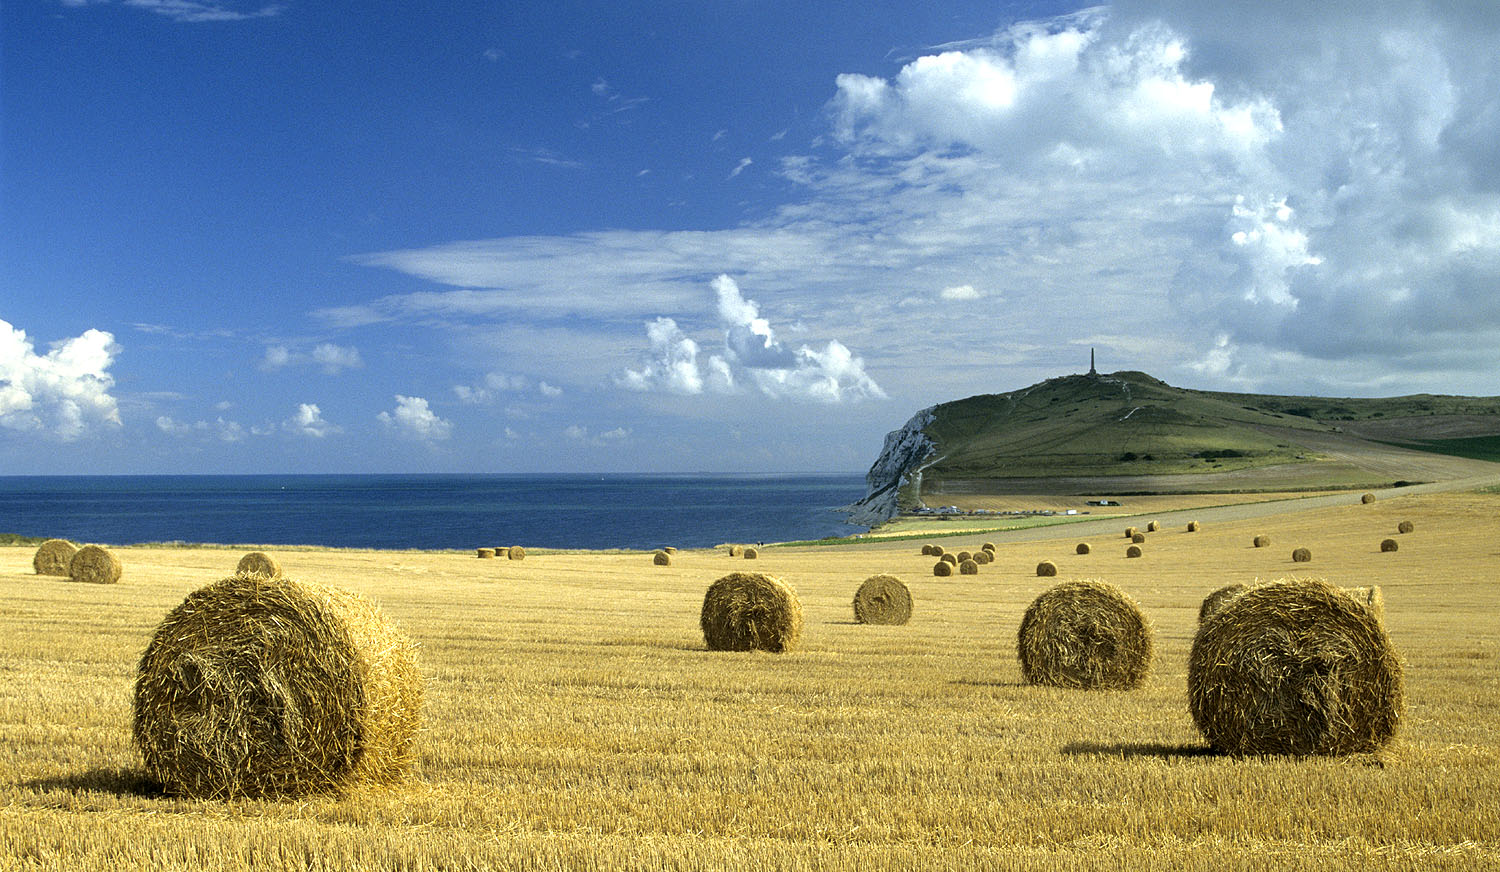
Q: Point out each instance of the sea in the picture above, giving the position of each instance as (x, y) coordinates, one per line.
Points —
(431, 511)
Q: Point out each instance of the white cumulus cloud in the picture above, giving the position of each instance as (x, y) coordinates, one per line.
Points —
(330, 358)
(64, 392)
(309, 421)
(413, 418)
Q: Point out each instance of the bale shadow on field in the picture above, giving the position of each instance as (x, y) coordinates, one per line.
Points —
(845, 623)
(104, 779)
(1138, 749)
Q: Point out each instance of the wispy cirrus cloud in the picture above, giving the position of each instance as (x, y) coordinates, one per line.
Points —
(193, 11)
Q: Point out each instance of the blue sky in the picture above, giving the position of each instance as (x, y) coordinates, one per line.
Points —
(736, 236)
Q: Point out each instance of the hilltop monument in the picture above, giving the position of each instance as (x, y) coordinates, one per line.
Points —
(1092, 371)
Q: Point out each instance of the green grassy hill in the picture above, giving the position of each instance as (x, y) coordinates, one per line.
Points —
(1130, 424)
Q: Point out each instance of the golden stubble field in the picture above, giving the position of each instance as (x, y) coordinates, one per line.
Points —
(574, 719)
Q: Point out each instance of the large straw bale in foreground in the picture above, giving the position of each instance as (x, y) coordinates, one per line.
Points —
(1370, 597)
(1295, 667)
(258, 686)
(748, 611)
(882, 599)
(53, 557)
(1085, 634)
(261, 563)
(95, 564)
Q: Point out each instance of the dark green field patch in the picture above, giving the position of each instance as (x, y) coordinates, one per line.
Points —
(1472, 447)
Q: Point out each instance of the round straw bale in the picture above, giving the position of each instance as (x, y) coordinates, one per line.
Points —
(1152, 527)
(736, 550)
(927, 550)
(1219, 598)
(950, 559)
(988, 546)
(1405, 527)
(982, 557)
(1367, 499)
(1046, 569)
(1369, 597)
(1083, 548)
(968, 567)
(669, 549)
(882, 599)
(1084, 634)
(748, 611)
(502, 553)
(1138, 538)
(661, 558)
(95, 564)
(1389, 545)
(516, 552)
(1133, 551)
(942, 569)
(965, 555)
(53, 557)
(261, 563)
(1130, 532)
(937, 551)
(1262, 541)
(485, 553)
(1294, 667)
(751, 554)
(1193, 526)
(258, 686)
(1301, 555)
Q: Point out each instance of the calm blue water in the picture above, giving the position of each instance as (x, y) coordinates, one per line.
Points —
(430, 511)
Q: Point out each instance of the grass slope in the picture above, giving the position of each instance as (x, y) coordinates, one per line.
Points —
(1129, 423)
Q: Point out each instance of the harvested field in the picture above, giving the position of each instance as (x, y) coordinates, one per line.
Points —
(575, 719)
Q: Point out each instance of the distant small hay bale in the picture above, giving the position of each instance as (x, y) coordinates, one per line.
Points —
(1405, 527)
(927, 550)
(1046, 569)
(968, 567)
(1085, 634)
(1131, 532)
(1370, 597)
(1138, 538)
(1193, 527)
(751, 554)
(882, 599)
(983, 557)
(1262, 541)
(942, 569)
(965, 555)
(1295, 667)
(269, 687)
(485, 553)
(661, 558)
(1367, 499)
(95, 565)
(516, 552)
(937, 551)
(669, 549)
(1220, 598)
(1389, 545)
(736, 551)
(261, 563)
(988, 546)
(53, 557)
(1083, 548)
(1152, 527)
(1301, 555)
(1133, 551)
(950, 559)
(748, 611)
(503, 553)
